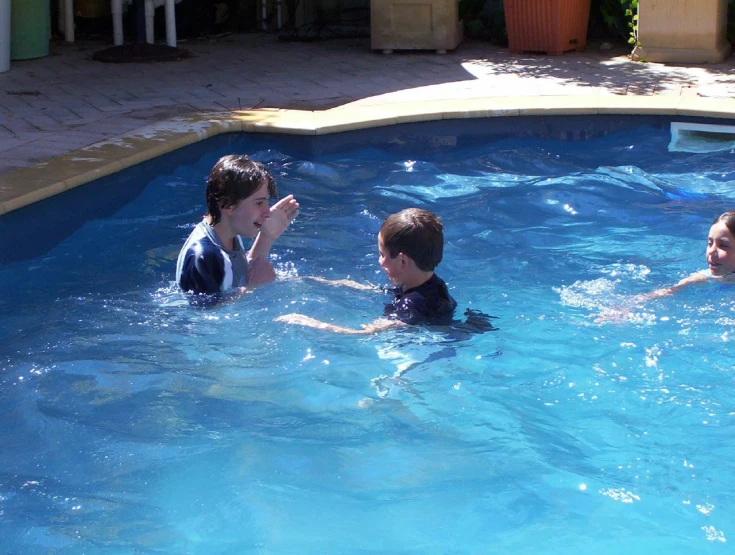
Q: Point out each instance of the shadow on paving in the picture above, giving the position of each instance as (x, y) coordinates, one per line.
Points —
(611, 70)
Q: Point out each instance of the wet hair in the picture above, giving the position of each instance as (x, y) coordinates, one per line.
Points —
(417, 233)
(233, 178)
(729, 219)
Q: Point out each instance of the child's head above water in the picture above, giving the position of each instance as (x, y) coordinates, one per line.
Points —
(233, 178)
(721, 245)
(411, 245)
(416, 233)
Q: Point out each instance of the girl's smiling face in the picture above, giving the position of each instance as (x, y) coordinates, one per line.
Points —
(720, 250)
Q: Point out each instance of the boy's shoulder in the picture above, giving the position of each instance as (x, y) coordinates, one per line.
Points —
(430, 302)
(433, 287)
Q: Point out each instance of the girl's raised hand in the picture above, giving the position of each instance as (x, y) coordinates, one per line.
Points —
(282, 214)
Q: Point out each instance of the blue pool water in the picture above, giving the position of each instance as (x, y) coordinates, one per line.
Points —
(131, 423)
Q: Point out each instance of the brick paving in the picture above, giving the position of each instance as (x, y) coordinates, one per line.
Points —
(65, 101)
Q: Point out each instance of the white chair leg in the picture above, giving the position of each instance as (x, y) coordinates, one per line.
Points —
(5, 11)
(69, 20)
(150, 12)
(117, 22)
(61, 15)
(171, 23)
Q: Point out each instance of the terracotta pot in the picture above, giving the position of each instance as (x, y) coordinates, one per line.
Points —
(549, 26)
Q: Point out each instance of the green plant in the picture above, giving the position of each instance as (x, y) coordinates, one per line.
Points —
(631, 12)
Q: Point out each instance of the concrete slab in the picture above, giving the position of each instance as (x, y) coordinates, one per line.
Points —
(333, 85)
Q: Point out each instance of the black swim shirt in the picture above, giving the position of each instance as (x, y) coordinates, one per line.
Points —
(429, 303)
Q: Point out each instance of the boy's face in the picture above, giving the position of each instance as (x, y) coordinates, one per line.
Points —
(720, 250)
(393, 267)
(248, 215)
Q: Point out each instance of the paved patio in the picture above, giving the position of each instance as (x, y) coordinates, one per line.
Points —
(66, 101)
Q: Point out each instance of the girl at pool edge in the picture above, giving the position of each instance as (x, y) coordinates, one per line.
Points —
(720, 256)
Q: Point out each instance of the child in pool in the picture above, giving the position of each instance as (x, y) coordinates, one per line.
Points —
(213, 263)
(410, 247)
(720, 255)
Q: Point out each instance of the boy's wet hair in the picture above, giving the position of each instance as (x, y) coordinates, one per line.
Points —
(233, 178)
(729, 219)
(418, 234)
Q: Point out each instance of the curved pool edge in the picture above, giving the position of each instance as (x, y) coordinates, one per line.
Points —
(61, 173)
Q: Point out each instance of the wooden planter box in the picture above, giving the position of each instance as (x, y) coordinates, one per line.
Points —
(415, 25)
(549, 26)
(682, 31)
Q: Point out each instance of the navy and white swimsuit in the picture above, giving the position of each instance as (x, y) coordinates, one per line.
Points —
(208, 269)
(429, 303)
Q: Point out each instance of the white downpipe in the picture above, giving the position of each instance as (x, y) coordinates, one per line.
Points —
(171, 23)
(68, 20)
(117, 22)
(149, 14)
(264, 14)
(4, 35)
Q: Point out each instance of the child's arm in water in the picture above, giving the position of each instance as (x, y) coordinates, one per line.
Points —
(621, 313)
(697, 277)
(381, 324)
(346, 283)
(378, 325)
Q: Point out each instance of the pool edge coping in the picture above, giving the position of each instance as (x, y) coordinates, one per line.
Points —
(55, 175)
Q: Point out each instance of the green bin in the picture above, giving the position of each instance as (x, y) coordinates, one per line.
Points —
(30, 26)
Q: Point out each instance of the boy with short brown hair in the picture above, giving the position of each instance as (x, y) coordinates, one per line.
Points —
(410, 246)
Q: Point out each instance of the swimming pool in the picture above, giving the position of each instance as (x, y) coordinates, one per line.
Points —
(131, 422)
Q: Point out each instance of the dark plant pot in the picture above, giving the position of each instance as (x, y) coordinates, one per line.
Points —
(549, 26)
